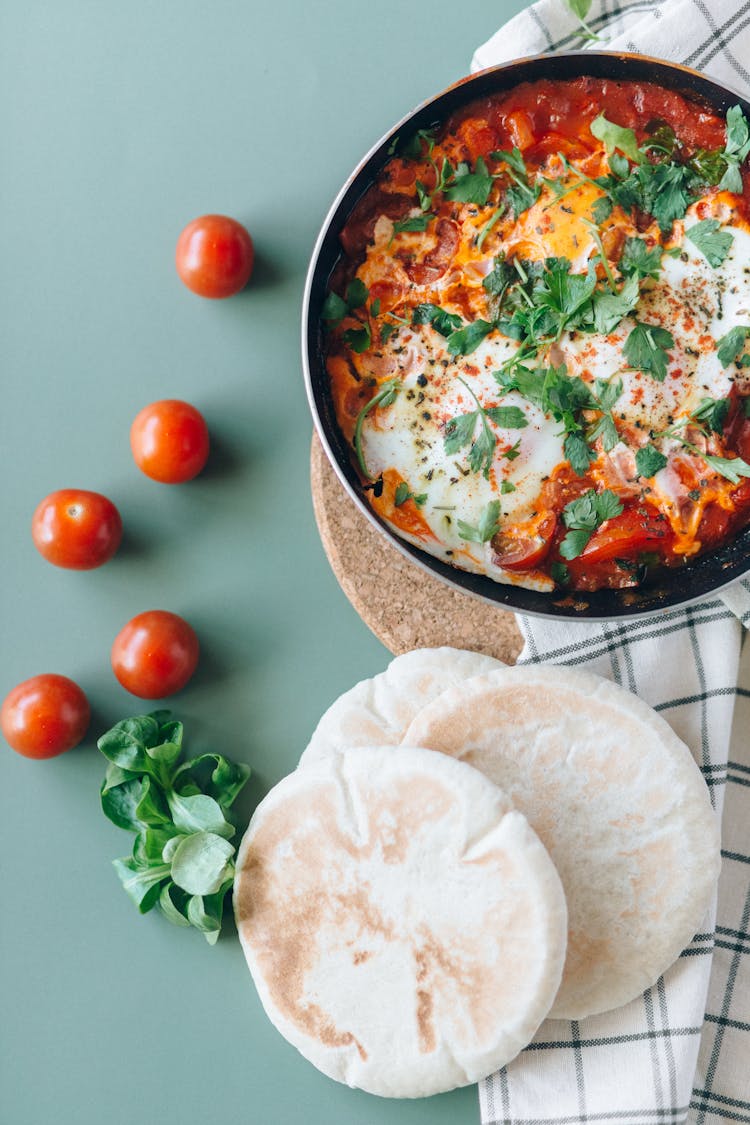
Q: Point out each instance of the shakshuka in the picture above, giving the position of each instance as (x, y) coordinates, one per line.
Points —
(538, 334)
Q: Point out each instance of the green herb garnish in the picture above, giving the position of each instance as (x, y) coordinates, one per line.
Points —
(489, 525)
(732, 344)
(646, 349)
(467, 339)
(713, 243)
(403, 493)
(649, 461)
(386, 396)
(443, 322)
(583, 516)
(736, 150)
(182, 858)
(459, 431)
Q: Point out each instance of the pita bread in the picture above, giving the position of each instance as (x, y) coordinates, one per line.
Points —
(376, 712)
(404, 926)
(618, 802)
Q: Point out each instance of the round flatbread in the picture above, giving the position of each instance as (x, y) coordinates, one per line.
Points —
(376, 712)
(403, 924)
(618, 802)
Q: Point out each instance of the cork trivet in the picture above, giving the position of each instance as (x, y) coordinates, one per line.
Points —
(404, 606)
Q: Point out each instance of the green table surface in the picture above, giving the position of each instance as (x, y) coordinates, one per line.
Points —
(119, 124)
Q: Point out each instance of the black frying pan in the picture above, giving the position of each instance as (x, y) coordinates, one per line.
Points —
(696, 580)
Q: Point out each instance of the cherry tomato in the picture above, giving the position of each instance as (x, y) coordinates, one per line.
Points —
(215, 256)
(626, 536)
(169, 440)
(76, 529)
(155, 654)
(524, 552)
(44, 716)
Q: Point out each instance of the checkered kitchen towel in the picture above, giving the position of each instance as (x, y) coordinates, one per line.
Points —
(682, 1051)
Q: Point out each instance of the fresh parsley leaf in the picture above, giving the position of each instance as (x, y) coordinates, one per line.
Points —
(459, 431)
(638, 261)
(182, 859)
(649, 461)
(507, 486)
(574, 543)
(738, 134)
(713, 243)
(578, 453)
(712, 411)
(482, 450)
(443, 322)
(732, 468)
(386, 331)
(522, 194)
(515, 450)
(606, 430)
(665, 192)
(466, 340)
(508, 417)
(356, 294)
(611, 308)
(559, 573)
(661, 141)
(421, 144)
(403, 493)
(606, 393)
(583, 516)
(708, 165)
(600, 212)
(334, 309)
(645, 349)
(416, 223)
(736, 149)
(501, 276)
(358, 339)
(732, 343)
(383, 398)
(616, 137)
(564, 293)
(468, 186)
(521, 197)
(489, 525)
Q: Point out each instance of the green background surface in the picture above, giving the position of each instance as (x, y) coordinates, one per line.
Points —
(119, 124)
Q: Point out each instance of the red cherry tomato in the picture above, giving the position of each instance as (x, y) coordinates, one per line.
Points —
(76, 529)
(169, 440)
(215, 256)
(155, 654)
(524, 553)
(44, 716)
(625, 536)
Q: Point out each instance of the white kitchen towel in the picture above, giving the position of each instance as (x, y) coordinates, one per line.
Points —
(681, 1052)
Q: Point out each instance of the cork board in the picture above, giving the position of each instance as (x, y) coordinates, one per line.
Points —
(420, 611)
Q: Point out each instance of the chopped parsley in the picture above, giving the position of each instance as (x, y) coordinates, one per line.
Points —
(649, 461)
(459, 432)
(732, 344)
(583, 516)
(403, 494)
(384, 397)
(646, 349)
(713, 243)
(489, 525)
